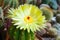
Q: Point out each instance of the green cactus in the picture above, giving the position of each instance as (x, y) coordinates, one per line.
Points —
(11, 3)
(17, 34)
(47, 12)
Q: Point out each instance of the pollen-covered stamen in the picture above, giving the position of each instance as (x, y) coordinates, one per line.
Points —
(28, 17)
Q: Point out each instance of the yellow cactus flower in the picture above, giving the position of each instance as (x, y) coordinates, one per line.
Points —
(28, 17)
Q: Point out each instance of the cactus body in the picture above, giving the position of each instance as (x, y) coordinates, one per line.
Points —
(11, 3)
(17, 34)
(47, 12)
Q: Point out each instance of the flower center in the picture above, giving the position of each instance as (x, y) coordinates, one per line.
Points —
(28, 19)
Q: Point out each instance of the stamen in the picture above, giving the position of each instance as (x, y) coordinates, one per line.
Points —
(28, 17)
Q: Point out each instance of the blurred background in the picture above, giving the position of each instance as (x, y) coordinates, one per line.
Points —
(50, 8)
